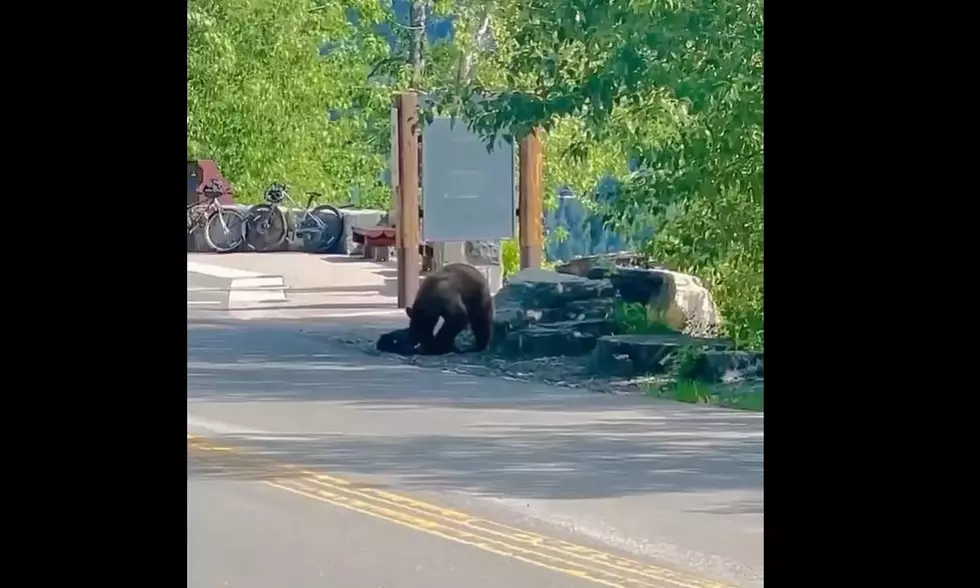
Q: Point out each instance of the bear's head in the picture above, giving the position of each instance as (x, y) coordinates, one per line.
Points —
(399, 341)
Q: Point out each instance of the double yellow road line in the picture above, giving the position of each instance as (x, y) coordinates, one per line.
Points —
(504, 540)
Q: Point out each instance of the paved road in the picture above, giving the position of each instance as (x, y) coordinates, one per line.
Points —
(206, 292)
(258, 535)
(310, 463)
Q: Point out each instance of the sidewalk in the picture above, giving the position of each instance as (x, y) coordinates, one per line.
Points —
(316, 286)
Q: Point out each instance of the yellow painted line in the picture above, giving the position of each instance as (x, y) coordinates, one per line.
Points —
(435, 529)
(499, 547)
(487, 527)
(540, 542)
(553, 554)
(558, 545)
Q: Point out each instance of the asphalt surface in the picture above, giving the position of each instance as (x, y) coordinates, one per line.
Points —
(206, 293)
(242, 534)
(310, 462)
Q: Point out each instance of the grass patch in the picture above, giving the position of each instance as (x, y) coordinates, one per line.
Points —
(636, 319)
(741, 396)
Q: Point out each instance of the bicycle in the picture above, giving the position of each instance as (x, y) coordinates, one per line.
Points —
(266, 226)
(224, 229)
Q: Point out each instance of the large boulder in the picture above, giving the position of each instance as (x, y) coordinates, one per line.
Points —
(710, 360)
(727, 365)
(581, 266)
(677, 300)
(687, 305)
(566, 338)
(536, 289)
(632, 284)
(631, 355)
(541, 313)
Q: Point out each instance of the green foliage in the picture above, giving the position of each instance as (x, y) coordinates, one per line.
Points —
(630, 319)
(676, 87)
(721, 240)
(750, 396)
(510, 257)
(377, 197)
(634, 319)
(743, 396)
(691, 392)
(686, 363)
(258, 95)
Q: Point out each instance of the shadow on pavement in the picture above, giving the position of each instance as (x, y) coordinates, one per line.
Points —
(570, 462)
(605, 445)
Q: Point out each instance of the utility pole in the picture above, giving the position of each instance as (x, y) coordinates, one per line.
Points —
(407, 230)
(416, 59)
(530, 230)
(416, 56)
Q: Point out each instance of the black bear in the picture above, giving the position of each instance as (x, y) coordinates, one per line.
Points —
(398, 341)
(460, 295)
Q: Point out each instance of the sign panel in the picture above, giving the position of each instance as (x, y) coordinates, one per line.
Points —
(467, 193)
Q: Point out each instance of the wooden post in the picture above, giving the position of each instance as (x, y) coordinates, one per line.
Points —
(407, 234)
(529, 202)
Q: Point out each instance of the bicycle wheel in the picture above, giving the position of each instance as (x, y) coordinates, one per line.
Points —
(265, 227)
(333, 225)
(225, 230)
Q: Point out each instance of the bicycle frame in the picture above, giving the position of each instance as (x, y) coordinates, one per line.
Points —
(210, 207)
(194, 217)
(305, 214)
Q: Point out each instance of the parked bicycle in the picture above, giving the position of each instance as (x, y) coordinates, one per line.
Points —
(224, 228)
(266, 228)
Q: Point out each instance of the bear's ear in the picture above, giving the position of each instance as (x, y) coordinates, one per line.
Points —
(408, 311)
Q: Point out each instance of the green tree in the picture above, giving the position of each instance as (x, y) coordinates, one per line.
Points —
(259, 94)
(676, 86)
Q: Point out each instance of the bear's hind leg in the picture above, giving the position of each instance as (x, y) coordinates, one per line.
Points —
(481, 325)
(445, 340)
